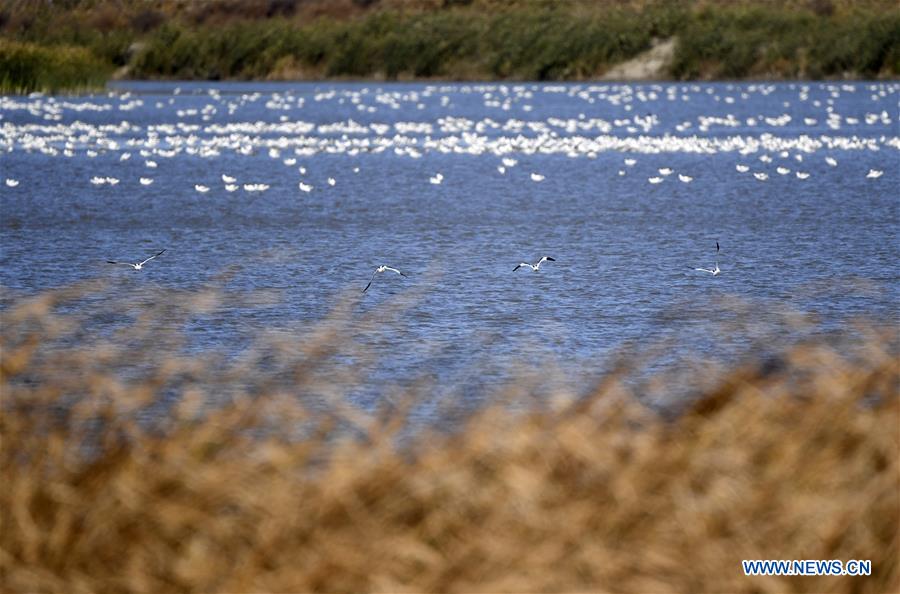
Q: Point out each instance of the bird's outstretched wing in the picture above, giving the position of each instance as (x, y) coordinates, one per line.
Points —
(370, 281)
(717, 247)
(394, 270)
(151, 257)
(705, 270)
(549, 259)
(520, 265)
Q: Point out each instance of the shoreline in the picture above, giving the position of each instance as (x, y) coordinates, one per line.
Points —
(59, 49)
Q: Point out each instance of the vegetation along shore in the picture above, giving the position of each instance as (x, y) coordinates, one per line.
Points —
(77, 44)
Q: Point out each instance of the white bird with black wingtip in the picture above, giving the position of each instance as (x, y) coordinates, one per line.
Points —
(535, 267)
(382, 269)
(715, 271)
(139, 265)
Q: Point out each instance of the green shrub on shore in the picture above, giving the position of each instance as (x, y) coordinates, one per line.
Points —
(758, 42)
(25, 68)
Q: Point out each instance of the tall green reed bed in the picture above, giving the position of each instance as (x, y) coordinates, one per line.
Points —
(26, 67)
(258, 476)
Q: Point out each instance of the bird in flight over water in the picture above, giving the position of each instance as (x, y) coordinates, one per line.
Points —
(715, 271)
(139, 265)
(382, 269)
(537, 266)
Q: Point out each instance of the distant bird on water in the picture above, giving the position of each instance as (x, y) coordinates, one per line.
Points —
(715, 271)
(537, 266)
(139, 265)
(382, 269)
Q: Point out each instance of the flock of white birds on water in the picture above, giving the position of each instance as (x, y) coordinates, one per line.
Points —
(769, 144)
(214, 128)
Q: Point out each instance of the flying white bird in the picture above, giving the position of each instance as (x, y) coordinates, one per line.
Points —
(537, 177)
(150, 164)
(537, 266)
(685, 178)
(761, 176)
(137, 266)
(655, 180)
(230, 187)
(831, 161)
(509, 162)
(112, 181)
(228, 179)
(12, 183)
(742, 168)
(665, 171)
(874, 174)
(782, 170)
(331, 181)
(802, 175)
(715, 271)
(501, 169)
(146, 181)
(382, 269)
(305, 187)
(201, 188)
(436, 179)
(630, 162)
(98, 181)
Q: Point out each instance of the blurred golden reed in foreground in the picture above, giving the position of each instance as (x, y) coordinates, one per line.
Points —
(265, 492)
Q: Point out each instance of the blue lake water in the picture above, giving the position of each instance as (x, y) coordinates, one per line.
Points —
(625, 248)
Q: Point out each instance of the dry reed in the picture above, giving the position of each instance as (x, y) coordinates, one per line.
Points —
(254, 477)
